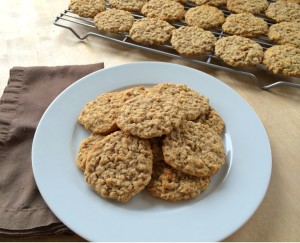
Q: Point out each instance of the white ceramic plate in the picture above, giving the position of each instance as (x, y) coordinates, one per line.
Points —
(232, 197)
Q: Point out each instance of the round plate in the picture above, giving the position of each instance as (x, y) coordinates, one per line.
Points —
(230, 200)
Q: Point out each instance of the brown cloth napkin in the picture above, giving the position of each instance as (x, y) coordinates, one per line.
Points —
(30, 90)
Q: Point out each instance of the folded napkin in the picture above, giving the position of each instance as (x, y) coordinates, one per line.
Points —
(30, 90)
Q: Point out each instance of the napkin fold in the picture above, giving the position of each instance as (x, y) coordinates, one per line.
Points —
(30, 90)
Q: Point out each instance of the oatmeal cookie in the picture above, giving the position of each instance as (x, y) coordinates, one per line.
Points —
(85, 148)
(215, 3)
(194, 149)
(180, 1)
(247, 6)
(99, 115)
(291, 1)
(239, 51)
(151, 31)
(191, 103)
(245, 24)
(284, 11)
(172, 185)
(114, 21)
(167, 10)
(191, 40)
(285, 33)
(120, 166)
(87, 8)
(128, 5)
(283, 59)
(204, 16)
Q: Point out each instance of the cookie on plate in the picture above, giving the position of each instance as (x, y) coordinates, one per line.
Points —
(283, 59)
(192, 41)
(87, 8)
(151, 31)
(247, 6)
(128, 5)
(172, 185)
(284, 11)
(85, 148)
(114, 21)
(120, 166)
(167, 10)
(204, 16)
(239, 51)
(245, 24)
(285, 33)
(194, 149)
(215, 3)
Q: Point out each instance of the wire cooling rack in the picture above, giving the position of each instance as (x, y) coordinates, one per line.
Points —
(84, 27)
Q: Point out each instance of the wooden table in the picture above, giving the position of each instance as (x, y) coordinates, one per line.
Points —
(29, 38)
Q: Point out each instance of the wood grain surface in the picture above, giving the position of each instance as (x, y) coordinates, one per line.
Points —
(29, 38)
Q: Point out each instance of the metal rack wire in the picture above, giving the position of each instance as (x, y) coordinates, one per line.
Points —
(77, 24)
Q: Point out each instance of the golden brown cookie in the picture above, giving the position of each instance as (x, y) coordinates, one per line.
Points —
(291, 1)
(167, 10)
(284, 11)
(120, 166)
(151, 31)
(194, 149)
(204, 16)
(285, 33)
(239, 51)
(215, 3)
(85, 148)
(172, 185)
(87, 8)
(283, 59)
(245, 24)
(192, 41)
(114, 21)
(247, 6)
(128, 5)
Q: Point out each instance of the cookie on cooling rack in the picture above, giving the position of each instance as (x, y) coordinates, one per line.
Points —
(172, 185)
(204, 16)
(284, 11)
(192, 41)
(87, 8)
(128, 5)
(215, 3)
(151, 31)
(247, 6)
(167, 10)
(285, 33)
(239, 51)
(114, 21)
(283, 59)
(245, 24)
(120, 166)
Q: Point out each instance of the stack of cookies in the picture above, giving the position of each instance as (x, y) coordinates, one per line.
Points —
(199, 22)
(165, 139)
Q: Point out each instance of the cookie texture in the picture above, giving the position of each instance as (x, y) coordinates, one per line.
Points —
(204, 16)
(215, 3)
(86, 146)
(283, 59)
(291, 1)
(193, 149)
(128, 5)
(245, 24)
(99, 115)
(151, 31)
(114, 21)
(284, 11)
(239, 51)
(87, 8)
(120, 166)
(167, 10)
(150, 116)
(172, 185)
(191, 103)
(191, 41)
(285, 33)
(247, 6)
